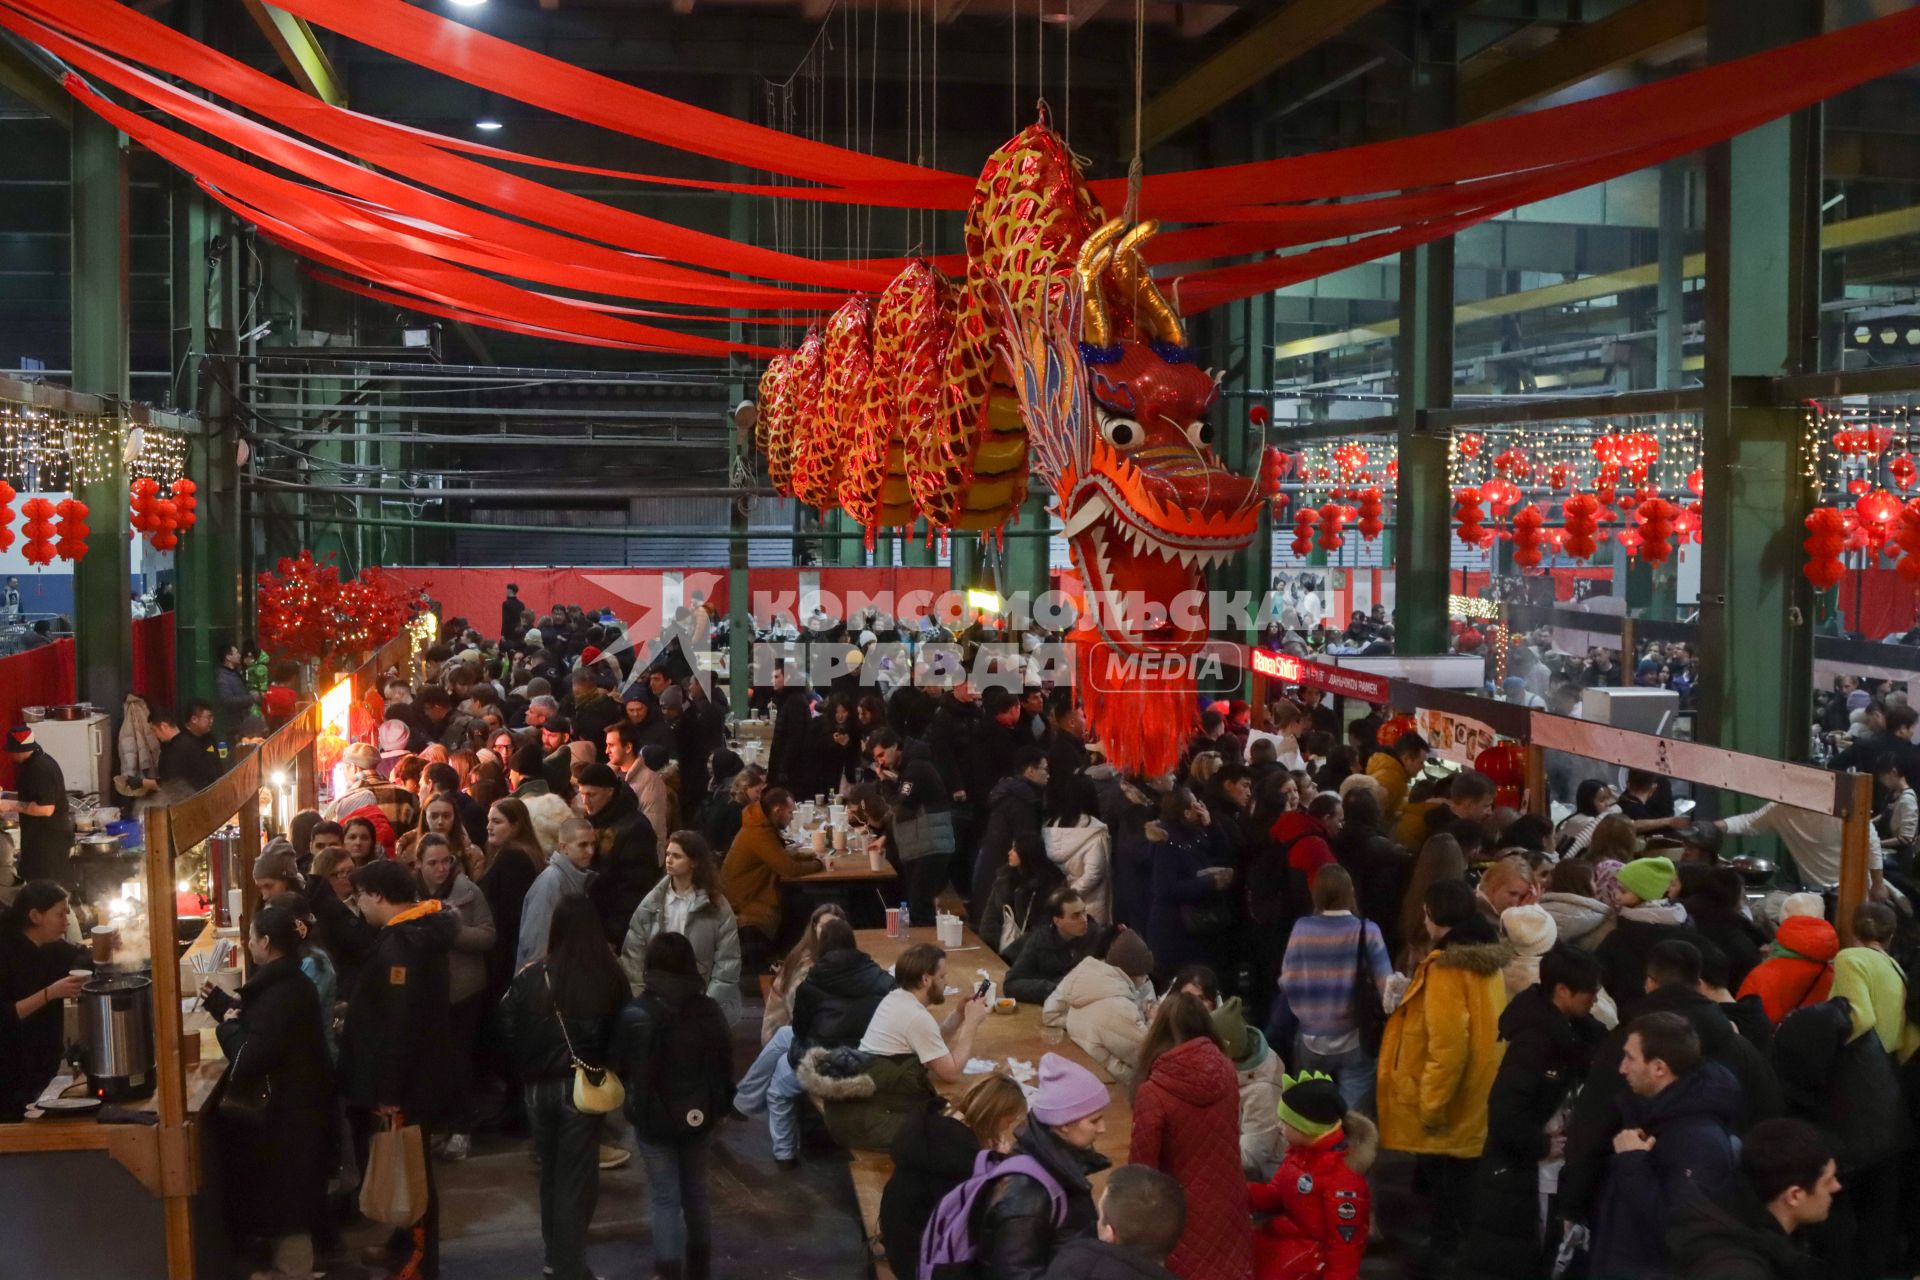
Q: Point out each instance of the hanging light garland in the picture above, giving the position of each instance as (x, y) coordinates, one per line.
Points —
(1860, 470)
(49, 452)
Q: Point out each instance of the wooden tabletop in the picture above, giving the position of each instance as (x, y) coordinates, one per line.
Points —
(848, 870)
(1005, 1035)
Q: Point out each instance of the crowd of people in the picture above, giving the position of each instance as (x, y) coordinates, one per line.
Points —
(548, 891)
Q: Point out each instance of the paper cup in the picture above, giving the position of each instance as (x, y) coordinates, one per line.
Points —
(877, 860)
(893, 922)
(820, 841)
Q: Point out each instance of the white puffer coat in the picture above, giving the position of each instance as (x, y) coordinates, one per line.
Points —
(1100, 1007)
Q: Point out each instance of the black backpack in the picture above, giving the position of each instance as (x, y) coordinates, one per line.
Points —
(688, 1085)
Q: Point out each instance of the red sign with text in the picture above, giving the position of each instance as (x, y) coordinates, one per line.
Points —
(1317, 675)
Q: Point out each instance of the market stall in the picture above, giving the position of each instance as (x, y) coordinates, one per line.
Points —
(154, 1197)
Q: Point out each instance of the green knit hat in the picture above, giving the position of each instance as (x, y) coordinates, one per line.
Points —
(1647, 878)
(1311, 1103)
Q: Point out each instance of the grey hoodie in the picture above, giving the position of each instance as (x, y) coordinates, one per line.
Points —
(467, 962)
(1579, 919)
(560, 880)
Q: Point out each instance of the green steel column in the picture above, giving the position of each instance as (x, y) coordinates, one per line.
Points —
(102, 613)
(1423, 503)
(744, 470)
(1250, 348)
(1763, 270)
(963, 559)
(1028, 570)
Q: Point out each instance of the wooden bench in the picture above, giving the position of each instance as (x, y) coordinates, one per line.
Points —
(1001, 1036)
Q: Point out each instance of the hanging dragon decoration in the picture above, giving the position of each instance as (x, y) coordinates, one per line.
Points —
(1058, 354)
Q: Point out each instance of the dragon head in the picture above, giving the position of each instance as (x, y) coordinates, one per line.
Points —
(1147, 505)
(1116, 414)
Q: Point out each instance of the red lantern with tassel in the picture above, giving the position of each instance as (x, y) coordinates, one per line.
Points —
(1505, 765)
(1303, 522)
(38, 531)
(185, 504)
(1656, 530)
(1372, 504)
(1903, 471)
(1332, 517)
(73, 531)
(6, 515)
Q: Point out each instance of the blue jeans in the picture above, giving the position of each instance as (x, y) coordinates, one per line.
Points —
(677, 1186)
(771, 1086)
(1353, 1073)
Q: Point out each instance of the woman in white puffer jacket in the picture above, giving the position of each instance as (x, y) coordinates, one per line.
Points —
(1103, 1004)
(1083, 853)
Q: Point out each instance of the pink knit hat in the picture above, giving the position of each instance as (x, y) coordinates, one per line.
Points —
(1067, 1092)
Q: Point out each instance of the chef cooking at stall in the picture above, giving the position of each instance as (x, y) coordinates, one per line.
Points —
(46, 824)
(38, 969)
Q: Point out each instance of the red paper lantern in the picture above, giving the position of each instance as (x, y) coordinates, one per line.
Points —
(1697, 482)
(1389, 733)
(72, 532)
(1332, 516)
(1656, 517)
(38, 531)
(1558, 475)
(1500, 495)
(184, 502)
(1470, 445)
(1466, 509)
(6, 515)
(1259, 414)
(1372, 504)
(1527, 522)
(1513, 464)
(1878, 507)
(1505, 764)
(1303, 521)
(1582, 515)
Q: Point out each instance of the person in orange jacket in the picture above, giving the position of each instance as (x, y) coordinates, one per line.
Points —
(1319, 1199)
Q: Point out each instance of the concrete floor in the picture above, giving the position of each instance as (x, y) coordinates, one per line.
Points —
(769, 1224)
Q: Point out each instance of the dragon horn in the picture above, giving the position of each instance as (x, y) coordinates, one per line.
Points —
(1162, 320)
(1097, 325)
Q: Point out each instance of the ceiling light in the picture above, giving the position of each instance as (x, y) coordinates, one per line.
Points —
(488, 125)
(467, 4)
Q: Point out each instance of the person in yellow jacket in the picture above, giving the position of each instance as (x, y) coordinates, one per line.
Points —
(1439, 1054)
(1393, 768)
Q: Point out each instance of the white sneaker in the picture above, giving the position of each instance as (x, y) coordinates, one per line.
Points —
(614, 1157)
(459, 1147)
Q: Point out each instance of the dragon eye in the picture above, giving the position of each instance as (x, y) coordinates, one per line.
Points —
(1123, 434)
(1201, 433)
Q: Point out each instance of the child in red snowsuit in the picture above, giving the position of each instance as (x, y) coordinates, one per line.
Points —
(1319, 1200)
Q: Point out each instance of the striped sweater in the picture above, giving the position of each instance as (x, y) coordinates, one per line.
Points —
(1318, 971)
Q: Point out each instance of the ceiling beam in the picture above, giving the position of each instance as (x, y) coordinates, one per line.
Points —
(1493, 83)
(1080, 12)
(947, 10)
(1197, 20)
(299, 51)
(1265, 48)
(26, 78)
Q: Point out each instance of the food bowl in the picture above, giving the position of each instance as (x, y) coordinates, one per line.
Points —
(1004, 1005)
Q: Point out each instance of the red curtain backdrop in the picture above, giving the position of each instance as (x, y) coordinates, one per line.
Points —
(1878, 603)
(153, 659)
(38, 677)
(636, 595)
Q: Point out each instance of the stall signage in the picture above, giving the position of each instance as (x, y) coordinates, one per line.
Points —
(1456, 738)
(1288, 669)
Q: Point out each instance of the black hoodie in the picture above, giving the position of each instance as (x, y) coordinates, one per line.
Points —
(626, 855)
(394, 1044)
(836, 1002)
(1735, 1241)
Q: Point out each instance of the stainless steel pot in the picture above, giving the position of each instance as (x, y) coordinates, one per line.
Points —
(70, 711)
(116, 1036)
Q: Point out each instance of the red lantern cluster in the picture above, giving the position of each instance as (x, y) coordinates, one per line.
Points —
(1466, 510)
(1469, 445)
(73, 531)
(1332, 516)
(1635, 451)
(1657, 518)
(1505, 765)
(1372, 504)
(1582, 515)
(6, 515)
(1901, 467)
(1867, 442)
(1513, 464)
(1558, 475)
(1273, 465)
(1351, 458)
(38, 531)
(1527, 522)
(1906, 536)
(1697, 482)
(1826, 538)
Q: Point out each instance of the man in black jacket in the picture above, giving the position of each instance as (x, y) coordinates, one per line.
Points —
(1013, 842)
(791, 709)
(1048, 953)
(511, 613)
(1787, 1182)
(1550, 1034)
(626, 849)
(188, 757)
(394, 1043)
(1673, 986)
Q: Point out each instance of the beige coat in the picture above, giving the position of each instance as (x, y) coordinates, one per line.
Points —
(1100, 1008)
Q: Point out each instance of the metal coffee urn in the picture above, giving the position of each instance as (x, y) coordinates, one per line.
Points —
(116, 1036)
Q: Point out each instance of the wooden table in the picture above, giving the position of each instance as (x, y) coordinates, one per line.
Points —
(1001, 1036)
